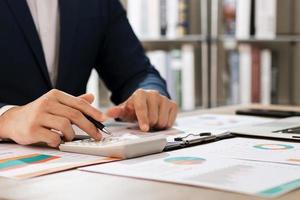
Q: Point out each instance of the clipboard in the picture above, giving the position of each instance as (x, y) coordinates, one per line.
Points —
(196, 139)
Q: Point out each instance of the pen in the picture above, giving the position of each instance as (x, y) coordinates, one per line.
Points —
(99, 125)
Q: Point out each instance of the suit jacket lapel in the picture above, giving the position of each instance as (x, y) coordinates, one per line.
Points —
(68, 22)
(21, 11)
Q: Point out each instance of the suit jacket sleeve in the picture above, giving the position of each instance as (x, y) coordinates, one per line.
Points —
(1, 105)
(122, 63)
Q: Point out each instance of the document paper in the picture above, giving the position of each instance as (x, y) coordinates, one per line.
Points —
(252, 166)
(215, 123)
(255, 149)
(21, 162)
(191, 167)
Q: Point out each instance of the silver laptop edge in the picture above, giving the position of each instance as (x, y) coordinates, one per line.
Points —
(275, 129)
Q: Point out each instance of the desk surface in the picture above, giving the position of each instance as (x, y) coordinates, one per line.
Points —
(76, 184)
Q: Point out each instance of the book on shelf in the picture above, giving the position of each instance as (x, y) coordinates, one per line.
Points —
(183, 24)
(152, 18)
(245, 74)
(229, 16)
(270, 77)
(172, 18)
(135, 14)
(265, 13)
(178, 68)
(163, 17)
(266, 74)
(169, 18)
(243, 18)
(188, 78)
(284, 17)
(296, 26)
(253, 75)
(194, 17)
(174, 75)
(262, 19)
(253, 17)
(256, 72)
(234, 82)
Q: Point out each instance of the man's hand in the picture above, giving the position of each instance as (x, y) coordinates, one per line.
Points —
(149, 108)
(55, 110)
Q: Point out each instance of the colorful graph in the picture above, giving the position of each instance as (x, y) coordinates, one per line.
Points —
(21, 161)
(185, 160)
(273, 146)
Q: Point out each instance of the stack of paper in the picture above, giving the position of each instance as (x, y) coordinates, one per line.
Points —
(25, 162)
(252, 166)
(198, 167)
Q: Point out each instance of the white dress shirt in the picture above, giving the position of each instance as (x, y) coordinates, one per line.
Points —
(45, 14)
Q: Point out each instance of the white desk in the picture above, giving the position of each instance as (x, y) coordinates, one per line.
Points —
(75, 184)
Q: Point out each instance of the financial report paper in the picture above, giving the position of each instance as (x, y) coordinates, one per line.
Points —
(191, 167)
(274, 151)
(21, 162)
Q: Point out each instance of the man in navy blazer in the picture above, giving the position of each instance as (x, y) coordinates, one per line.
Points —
(93, 34)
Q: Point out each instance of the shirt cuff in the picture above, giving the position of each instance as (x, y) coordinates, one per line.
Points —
(5, 108)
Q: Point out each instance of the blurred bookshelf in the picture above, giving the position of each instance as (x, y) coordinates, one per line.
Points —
(179, 40)
(254, 52)
(251, 39)
(220, 52)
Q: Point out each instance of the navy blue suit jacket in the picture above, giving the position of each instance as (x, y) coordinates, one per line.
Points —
(94, 34)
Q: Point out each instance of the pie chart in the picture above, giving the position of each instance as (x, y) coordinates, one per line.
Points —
(273, 146)
(185, 160)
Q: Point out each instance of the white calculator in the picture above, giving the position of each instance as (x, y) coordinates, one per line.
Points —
(125, 146)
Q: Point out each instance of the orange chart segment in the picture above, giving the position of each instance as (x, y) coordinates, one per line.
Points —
(18, 162)
(294, 160)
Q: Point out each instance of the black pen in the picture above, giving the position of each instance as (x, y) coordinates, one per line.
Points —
(99, 125)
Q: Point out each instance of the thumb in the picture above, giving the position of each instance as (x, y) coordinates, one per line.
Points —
(88, 97)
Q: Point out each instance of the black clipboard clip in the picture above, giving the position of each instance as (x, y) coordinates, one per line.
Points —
(196, 139)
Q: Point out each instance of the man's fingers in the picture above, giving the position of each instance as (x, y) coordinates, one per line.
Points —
(77, 118)
(88, 97)
(149, 108)
(141, 111)
(58, 123)
(124, 112)
(52, 139)
(153, 108)
(172, 115)
(163, 113)
(77, 103)
(115, 112)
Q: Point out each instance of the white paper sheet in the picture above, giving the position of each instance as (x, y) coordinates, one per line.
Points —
(255, 149)
(216, 123)
(21, 162)
(191, 167)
